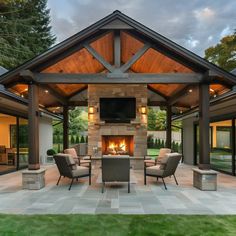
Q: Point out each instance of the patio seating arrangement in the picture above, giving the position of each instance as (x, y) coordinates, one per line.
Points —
(157, 160)
(68, 168)
(166, 168)
(79, 159)
(115, 169)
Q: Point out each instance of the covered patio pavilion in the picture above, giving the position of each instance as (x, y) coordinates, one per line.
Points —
(118, 50)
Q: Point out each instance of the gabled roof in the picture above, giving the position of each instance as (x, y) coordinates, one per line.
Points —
(121, 21)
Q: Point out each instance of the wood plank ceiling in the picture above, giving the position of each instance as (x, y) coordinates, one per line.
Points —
(151, 61)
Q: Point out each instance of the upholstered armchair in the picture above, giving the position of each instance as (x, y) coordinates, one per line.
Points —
(152, 162)
(68, 168)
(165, 168)
(79, 159)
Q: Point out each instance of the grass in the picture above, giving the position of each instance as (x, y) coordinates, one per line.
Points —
(153, 152)
(117, 225)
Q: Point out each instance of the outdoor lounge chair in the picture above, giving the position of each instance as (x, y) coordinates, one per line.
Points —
(80, 160)
(115, 169)
(157, 160)
(166, 168)
(68, 168)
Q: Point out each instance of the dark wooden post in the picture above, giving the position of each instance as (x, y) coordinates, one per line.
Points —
(33, 119)
(168, 126)
(65, 127)
(204, 142)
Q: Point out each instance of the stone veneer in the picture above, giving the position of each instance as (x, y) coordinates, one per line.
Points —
(137, 127)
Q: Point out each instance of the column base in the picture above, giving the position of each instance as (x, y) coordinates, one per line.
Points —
(33, 179)
(205, 179)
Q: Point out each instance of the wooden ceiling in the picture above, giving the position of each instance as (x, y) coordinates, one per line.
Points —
(152, 61)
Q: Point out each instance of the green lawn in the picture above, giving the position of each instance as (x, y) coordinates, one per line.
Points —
(116, 225)
(153, 152)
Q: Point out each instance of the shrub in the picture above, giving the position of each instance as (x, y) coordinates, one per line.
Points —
(72, 140)
(156, 143)
(51, 152)
(82, 139)
(77, 139)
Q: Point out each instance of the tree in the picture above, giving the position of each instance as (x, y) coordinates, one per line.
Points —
(224, 53)
(161, 120)
(82, 139)
(25, 30)
(152, 119)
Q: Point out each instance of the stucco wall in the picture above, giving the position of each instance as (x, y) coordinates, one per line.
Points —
(45, 137)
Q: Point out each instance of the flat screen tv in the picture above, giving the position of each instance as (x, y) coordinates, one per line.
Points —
(118, 109)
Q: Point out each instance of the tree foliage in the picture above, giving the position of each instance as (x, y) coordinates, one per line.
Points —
(25, 30)
(152, 117)
(224, 53)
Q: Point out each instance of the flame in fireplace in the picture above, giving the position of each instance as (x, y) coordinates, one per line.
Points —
(117, 146)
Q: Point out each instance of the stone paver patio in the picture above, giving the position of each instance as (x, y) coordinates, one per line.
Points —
(150, 199)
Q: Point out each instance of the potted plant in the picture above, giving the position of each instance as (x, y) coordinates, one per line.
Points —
(50, 153)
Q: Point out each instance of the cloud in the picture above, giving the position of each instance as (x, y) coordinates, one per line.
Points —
(195, 25)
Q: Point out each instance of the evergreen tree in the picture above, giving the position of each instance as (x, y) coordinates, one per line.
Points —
(152, 119)
(77, 139)
(72, 141)
(86, 139)
(156, 143)
(82, 139)
(25, 31)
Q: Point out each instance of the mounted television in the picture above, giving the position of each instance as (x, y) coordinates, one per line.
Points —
(118, 110)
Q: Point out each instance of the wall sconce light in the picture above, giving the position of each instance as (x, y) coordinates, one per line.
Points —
(91, 110)
(143, 110)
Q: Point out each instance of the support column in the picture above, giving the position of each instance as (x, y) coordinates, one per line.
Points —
(203, 177)
(204, 142)
(168, 126)
(33, 116)
(65, 127)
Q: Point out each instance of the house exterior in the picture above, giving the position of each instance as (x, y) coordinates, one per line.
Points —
(14, 131)
(119, 58)
(221, 132)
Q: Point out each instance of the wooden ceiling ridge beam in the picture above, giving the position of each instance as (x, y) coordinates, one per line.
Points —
(113, 78)
(69, 51)
(135, 57)
(29, 77)
(95, 54)
(117, 48)
(165, 51)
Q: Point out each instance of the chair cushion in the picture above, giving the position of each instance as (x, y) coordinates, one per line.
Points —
(80, 171)
(164, 151)
(84, 161)
(71, 151)
(154, 170)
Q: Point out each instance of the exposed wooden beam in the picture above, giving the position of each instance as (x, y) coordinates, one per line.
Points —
(135, 57)
(110, 78)
(105, 63)
(77, 92)
(157, 92)
(156, 103)
(55, 94)
(117, 48)
(174, 99)
(78, 103)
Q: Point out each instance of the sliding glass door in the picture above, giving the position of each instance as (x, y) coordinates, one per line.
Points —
(222, 145)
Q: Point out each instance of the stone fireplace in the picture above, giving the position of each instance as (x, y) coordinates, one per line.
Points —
(117, 145)
(134, 132)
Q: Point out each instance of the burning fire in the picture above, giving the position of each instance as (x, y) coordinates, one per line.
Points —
(117, 147)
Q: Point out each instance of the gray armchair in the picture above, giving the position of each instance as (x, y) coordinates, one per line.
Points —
(115, 169)
(157, 160)
(68, 168)
(167, 167)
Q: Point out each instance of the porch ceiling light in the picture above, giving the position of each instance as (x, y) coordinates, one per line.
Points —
(190, 90)
(91, 110)
(46, 91)
(143, 110)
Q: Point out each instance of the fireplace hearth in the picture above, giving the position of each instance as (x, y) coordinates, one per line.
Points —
(117, 145)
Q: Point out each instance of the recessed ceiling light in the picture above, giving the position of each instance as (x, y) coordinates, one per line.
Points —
(190, 90)
(214, 95)
(212, 90)
(46, 91)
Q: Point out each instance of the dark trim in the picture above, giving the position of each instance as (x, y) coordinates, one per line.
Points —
(159, 40)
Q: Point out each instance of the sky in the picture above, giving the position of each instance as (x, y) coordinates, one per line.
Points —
(194, 24)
